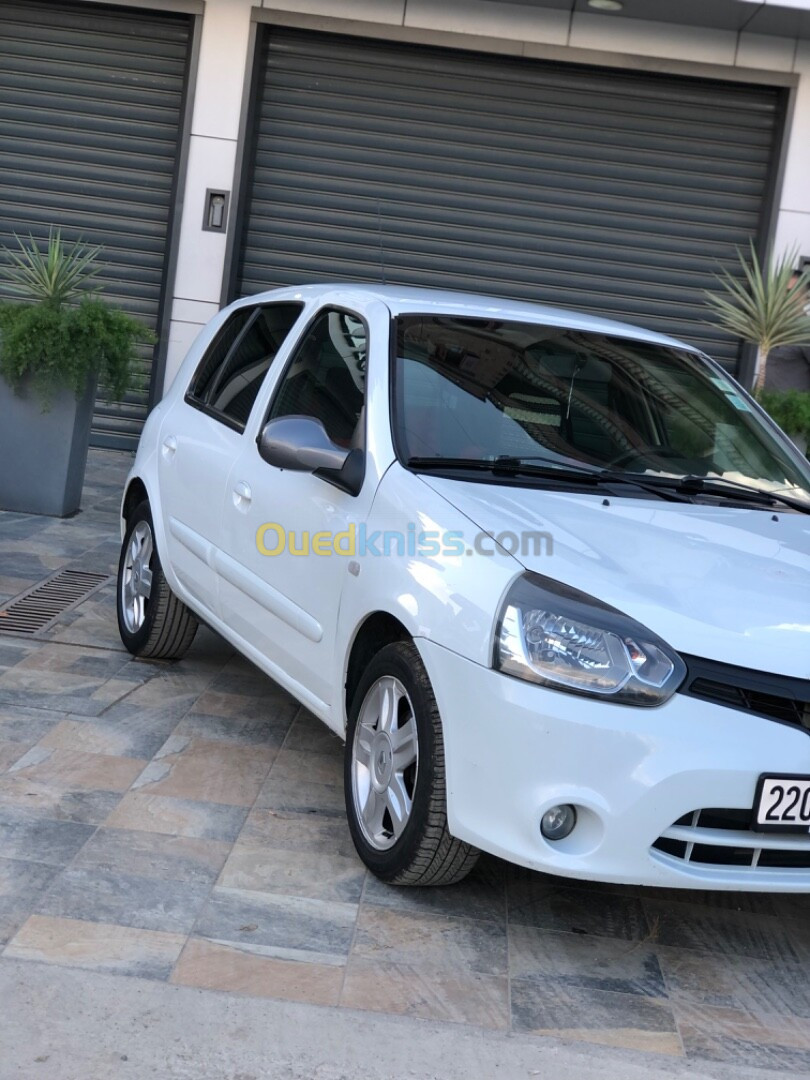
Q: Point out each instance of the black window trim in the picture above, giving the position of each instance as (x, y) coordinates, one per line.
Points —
(204, 406)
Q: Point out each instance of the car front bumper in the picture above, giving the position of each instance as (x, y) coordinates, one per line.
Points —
(514, 749)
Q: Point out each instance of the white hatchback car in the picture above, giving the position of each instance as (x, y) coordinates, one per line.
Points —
(547, 574)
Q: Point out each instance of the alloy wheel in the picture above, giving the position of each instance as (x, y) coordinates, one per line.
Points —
(136, 577)
(385, 760)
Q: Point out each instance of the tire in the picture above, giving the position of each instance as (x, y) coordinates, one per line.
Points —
(152, 622)
(385, 770)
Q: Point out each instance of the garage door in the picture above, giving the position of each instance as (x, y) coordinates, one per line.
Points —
(90, 113)
(602, 190)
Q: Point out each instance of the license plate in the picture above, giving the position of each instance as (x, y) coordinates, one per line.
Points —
(782, 804)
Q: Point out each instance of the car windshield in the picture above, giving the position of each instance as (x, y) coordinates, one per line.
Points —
(483, 390)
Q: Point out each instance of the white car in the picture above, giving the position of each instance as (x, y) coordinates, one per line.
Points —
(548, 575)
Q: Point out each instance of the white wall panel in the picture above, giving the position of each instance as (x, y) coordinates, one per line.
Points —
(518, 22)
(637, 36)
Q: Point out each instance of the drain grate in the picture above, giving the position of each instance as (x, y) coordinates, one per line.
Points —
(42, 604)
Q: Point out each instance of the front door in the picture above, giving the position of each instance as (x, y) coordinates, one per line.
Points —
(289, 546)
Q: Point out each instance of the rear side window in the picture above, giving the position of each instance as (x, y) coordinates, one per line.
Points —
(228, 379)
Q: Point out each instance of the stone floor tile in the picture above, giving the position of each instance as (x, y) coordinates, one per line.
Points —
(552, 906)
(797, 928)
(153, 855)
(10, 754)
(70, 678)
(251, 696)
(759, 988)
(320, 875)
(462, 996)
(25, 568)
(99, 736)
(265, 729)
(68, 668)
(56, 801)
(146, 903)
(711, 902)
(24, 834)
(159, 717)
(585, 960)
(21, 884)
(301, 782)
(227, 967)
(793, 906)
(312, 735)
(482, 895)
(721, 933)
(741, 1053)
(724, 1034)
(243, 680)
(178, 817)
(430, 943)
(121, 950)
(90, 623)
(631, 1021)
(159, 687)
(23, 725)
(298, 832)
(12, 652)
(207, 771)
(70, 770)
(293, 928)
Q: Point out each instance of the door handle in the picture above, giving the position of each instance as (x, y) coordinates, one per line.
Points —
(242, 496)
(169, 447)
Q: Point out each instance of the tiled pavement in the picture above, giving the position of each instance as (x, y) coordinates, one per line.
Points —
(184, 822)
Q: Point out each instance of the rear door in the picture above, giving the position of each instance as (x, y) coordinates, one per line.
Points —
(202, 436)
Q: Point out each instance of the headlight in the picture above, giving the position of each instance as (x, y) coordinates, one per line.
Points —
(551, 634)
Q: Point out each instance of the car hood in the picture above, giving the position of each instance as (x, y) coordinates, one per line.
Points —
(720, 582)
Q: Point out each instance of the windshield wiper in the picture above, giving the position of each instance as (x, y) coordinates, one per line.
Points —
(504, 464)
(550, 469)
(725, 488)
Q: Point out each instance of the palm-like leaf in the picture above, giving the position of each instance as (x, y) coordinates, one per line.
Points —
(55, 275)
(765, 307)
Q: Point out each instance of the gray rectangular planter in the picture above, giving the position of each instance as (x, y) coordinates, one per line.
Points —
(43, 454)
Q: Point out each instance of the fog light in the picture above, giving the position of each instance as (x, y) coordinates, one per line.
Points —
(558, 822)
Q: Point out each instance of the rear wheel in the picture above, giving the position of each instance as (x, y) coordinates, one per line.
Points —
(151, 620)
(396, 797)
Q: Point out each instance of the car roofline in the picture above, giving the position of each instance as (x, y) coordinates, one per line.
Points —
(411, 300)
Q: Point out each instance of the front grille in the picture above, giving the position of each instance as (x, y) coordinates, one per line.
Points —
(777, 697)
(721, 838)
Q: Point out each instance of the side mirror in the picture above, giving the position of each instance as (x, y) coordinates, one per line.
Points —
(300, 443)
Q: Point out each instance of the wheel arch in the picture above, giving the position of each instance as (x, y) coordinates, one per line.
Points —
(378, 629)
(134, 495)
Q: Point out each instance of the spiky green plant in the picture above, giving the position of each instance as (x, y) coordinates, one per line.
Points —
(55, 275)
(58, 333)
(766, 308)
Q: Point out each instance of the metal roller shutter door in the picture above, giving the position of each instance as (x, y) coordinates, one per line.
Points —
(91, 100)
(603, 190)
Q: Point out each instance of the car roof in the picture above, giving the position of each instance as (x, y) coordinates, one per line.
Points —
(405, 299)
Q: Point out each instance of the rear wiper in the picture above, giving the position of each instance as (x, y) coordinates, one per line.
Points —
(731, 489)
(548, 470)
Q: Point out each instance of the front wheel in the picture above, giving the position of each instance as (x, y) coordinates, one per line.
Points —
(394, 779)
(152, 622)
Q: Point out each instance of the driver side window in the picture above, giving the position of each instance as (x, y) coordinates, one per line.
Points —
(326, 377)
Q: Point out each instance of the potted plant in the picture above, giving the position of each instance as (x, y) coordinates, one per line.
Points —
(766, 308)
(57, 338)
